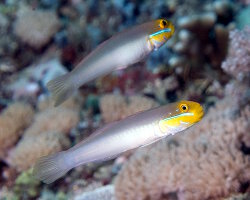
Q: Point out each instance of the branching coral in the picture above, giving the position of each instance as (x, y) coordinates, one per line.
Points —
(204, 162)
(238, 60)
(36, 27)
(12, 122)
(116, 107)
(201, 36)
(29, 149)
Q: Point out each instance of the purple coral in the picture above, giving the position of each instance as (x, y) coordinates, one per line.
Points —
(238, 60)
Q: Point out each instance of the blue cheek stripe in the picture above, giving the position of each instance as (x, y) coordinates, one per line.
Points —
(165, 30)
(179, 115)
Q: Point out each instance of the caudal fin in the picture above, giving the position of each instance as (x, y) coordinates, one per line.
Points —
(50, 168)
(61, 88)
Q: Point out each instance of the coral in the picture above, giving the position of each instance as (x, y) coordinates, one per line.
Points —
(36, 28)
(102, 193)
(163, 89)
(46, 135)
(204, 163)
(238, 90)
(55, 119)
(29, 149)
(73, 103)
(116, 107)
(238, 59)
(237, 197)
(200, 40)
(26, 186)
(6, 193)
(110, 103)
(13, 120)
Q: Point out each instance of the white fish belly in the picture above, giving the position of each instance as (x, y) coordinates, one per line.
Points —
(118, 57)
(112, 145)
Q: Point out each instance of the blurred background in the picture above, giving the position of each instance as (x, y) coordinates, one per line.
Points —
(207, 60)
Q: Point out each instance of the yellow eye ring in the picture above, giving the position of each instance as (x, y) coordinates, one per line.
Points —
(183, 107)
(163, 23)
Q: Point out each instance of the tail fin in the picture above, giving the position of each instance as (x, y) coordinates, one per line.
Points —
(61, 88)
(50, 168)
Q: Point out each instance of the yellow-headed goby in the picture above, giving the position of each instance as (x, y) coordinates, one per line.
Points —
(121, 50)
(113, 139)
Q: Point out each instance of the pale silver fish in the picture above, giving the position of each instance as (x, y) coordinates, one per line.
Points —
(120, 51)
(113, 139)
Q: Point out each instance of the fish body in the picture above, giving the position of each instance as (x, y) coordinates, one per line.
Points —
(113, 139)
(120, 51)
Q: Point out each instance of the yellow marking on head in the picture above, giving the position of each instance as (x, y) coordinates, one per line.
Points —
(162, 31)
(183, 115)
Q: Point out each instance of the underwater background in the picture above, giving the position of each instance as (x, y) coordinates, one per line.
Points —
(207, 60)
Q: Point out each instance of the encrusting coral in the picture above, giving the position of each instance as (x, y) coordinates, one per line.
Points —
(205, 162)
(46, 135)
(13, 120)
(116, 107)
(73, 103)
(238, 60)
(56, 119)
(36, 28)
(29, 149)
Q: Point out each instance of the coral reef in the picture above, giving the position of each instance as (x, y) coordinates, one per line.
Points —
(238, 59)
(32, 80)
(240, 196)
(29, 149)
(200, 36)
(26, 186)
(13, 120)
(73, 103)
(55, 119)
(116, 107)
(47, 134)
(205, 162)
(41, 40)
(37, 27)
(102, 193)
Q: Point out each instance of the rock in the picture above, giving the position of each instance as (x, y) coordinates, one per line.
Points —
(102, 193)
(29, 80)
(50, 70)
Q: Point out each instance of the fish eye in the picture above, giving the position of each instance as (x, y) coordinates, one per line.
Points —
(163, 24)
(184, 107)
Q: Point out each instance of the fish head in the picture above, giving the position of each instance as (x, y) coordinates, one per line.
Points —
(182, 115)
(162, 30)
